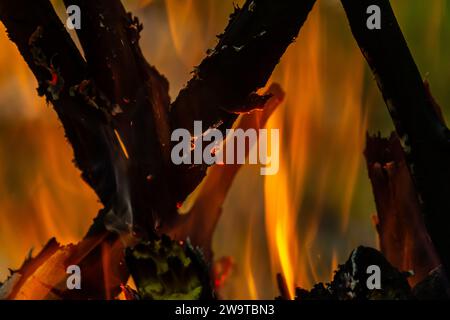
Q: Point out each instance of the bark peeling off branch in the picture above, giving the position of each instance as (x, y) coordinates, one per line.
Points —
(226, 81)
(425, 138)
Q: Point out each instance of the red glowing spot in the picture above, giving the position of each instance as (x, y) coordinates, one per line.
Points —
(222, 270)
(54, 80)
(179, 204)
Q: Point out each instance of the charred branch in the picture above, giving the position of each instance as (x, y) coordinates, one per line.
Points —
(199, 223)
(114, 108)
(139, 104)
(424, 137)
(226, 82)
(61, 74)
(404, 239)
(350, 280)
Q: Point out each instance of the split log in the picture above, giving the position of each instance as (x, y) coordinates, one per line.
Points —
(403, 237)
(424, 137)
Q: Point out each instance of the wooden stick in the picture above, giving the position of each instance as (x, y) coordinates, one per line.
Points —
(424, 137)
(404, 239)
(199, 223)
(225, 83)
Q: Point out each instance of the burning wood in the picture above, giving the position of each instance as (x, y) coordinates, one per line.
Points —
(423, 134)
(119, 128)
(404, 239)
(202, 210)
(118, 117)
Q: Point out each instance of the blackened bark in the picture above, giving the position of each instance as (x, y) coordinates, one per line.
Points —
(404, 239)
(425, 138)
(59, 68)
(115, 110)
(225, 83)
(139, 104)
(200, 222)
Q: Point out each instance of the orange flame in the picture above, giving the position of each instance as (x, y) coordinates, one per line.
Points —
(289, 221)
(322, 132)
(41, 192)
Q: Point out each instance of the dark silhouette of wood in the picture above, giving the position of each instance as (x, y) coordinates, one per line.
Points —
(424, 137)
(225, 83)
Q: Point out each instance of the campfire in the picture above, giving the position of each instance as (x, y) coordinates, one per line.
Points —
(94, 205)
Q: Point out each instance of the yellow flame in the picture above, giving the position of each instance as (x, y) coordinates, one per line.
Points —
(322, 124)
(322, 132)
(249, 274)
(187, 28)
(41, 192)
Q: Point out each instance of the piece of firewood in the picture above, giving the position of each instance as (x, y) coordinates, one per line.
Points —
(115, 106)
(138, 102)
(199, 223)
(44, 277)
(424, 137)
(404, 239)
(116, 112)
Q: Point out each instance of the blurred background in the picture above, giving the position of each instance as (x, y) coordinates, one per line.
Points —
(301, 222)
